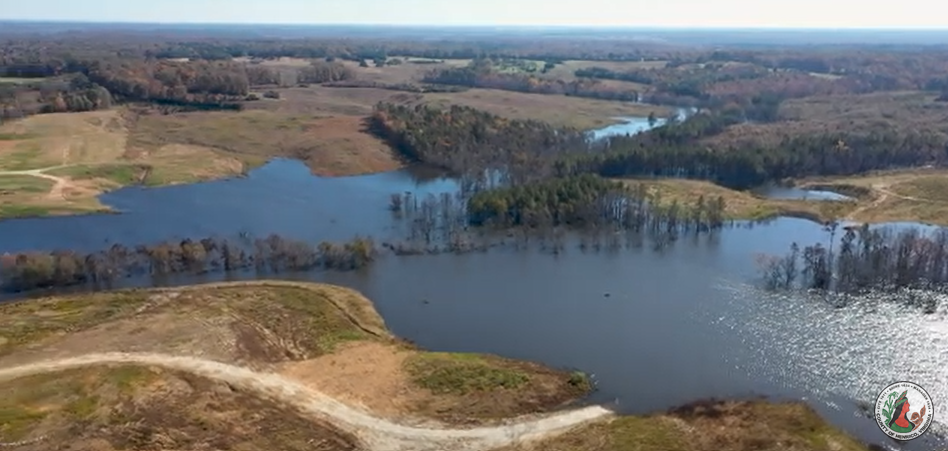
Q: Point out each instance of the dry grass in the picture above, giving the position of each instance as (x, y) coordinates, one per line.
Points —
(850, 113)
(558, 110)
(63, 138)
(742, 204)
(330, 145)
(82, 155)
(18, 80)
(324, 336)
(919, 195)
(709, 426)
(124, 407)
(26, 195)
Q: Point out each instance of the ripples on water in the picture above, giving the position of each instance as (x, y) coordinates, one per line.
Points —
(853, 351)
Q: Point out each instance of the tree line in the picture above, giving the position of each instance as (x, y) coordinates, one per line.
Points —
(716, 85)
(273, 254)
(587, 201)
(865, 260)
(66, 94)
(482, 74)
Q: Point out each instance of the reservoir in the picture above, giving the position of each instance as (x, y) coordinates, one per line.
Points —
(656, 328)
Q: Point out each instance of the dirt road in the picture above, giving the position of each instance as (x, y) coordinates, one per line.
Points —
(375, 433)
(56, 192)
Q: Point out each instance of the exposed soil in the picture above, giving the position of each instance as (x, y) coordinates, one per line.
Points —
(375, 376)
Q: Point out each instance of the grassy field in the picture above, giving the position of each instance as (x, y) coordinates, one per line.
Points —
(741, 204)
(325, 336)
(558, 110)
(80, 155)
(708, 426)
(330, 145)
(127, 407)
(919, 195)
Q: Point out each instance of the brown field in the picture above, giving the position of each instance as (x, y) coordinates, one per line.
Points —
(81, 155)
(919, 195)
(323, 101)
(851, 113)
(707, 426)
(741, 204)
(326, 337)
(330, 145)
(127, 407)
(558, 110)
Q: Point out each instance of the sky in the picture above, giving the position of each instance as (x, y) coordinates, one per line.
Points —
(655, 13)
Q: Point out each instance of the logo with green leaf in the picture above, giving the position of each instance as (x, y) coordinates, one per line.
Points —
(904, 410)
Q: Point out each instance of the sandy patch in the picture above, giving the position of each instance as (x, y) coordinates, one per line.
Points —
(369, 375)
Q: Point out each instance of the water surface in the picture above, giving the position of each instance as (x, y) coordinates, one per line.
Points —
(657, 329)
(793, 193)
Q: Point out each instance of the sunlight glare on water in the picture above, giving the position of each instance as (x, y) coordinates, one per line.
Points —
(854, 351)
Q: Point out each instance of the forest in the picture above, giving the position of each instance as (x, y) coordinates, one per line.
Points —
(465, 140)
(716, 85)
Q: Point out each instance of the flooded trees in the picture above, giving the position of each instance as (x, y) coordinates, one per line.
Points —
(870, 260)
(273, 254)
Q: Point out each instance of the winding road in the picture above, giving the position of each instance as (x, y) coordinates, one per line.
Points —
(376, 434)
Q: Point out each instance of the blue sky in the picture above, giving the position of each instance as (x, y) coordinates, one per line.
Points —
(680, 13)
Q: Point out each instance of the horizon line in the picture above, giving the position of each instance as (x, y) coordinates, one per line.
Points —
(678, 27)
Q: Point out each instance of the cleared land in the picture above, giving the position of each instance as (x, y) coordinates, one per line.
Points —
(330, 145)
(80, 155)
(265, 365)
(919, 195)
(742, 204)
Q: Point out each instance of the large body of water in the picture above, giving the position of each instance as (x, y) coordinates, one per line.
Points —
(677, 325)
